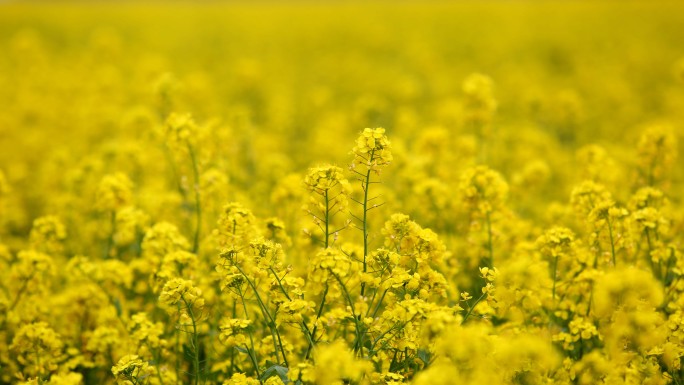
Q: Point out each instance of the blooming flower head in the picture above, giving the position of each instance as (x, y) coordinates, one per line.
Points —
(657, 151)
(130, 368)
(373, 148)
(115, 191)
(322, 179)
(161, 239)
(145, 332)
(626, 289)
(557, 241)
(38, 347)
(233, 332)
(479, 103)
(236, 226)
(47, 234)
(482, 190)
(336, 365)
(328, 263)
(178, 291)
(180, 129)
(586, 195)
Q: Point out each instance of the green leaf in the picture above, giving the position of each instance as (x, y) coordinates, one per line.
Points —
(275, 370)
(424, 356)
(117, 305)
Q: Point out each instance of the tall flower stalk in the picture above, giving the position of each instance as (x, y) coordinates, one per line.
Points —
(371, 153)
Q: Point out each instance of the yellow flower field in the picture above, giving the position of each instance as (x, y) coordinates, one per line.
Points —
(342, 193)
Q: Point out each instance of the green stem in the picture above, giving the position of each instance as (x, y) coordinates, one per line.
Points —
(490, 246)
(198, 206)
(39, 371)
(252, 352)
(271, 322)
(194, 341)
(555, 273)
(315, 328)
(398, 327)
(377, 307)
(21, 291)
(358, 338)
(470, 310)
(177, 352)
(232, 351)
(366, 187)
(612, 243)
(282, 289)
(654, 268)
(110, 239)
(327, 219)
(157, 358)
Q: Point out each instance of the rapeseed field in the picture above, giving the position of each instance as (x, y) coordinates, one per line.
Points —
(342, 193)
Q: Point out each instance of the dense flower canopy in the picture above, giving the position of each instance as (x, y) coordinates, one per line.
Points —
(416, 193)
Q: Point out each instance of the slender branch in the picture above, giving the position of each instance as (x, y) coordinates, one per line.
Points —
(365, 220)
(470, 310)
(198, 206)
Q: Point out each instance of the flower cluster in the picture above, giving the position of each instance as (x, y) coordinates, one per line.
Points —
(503, 229)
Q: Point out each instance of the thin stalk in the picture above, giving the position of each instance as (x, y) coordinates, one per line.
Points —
(177, 351)
(327, 218)
(490, 246)
(198, 206)
(470, 310)
(282, 289)
(271, 324)
(39, 370)
(194, 341)
(366, 187)
(612, 243)
(250, 352)
(377, 307)
(112, 230)
(654, 268)
(315, 328)
(21, 291)
(591, 298)
(555, 273)
(232, 351)
(157, 358)
(357, 340)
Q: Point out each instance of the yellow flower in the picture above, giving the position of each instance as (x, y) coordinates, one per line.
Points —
(129, 369)
(130, 224)
(626, 289)
(372, 148)
(328, 263)
(336, 365)
(47, 234)
(232, 332)
(479, 103)
(114, 192)
(241, 379)
(103, 339)
(236, 226)
(183, 292)
(145, 332)
(161, 239)
(657, 150)
(39, 348)
(557, 242)
(482, 190)
(180, 130)
(585, 196)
